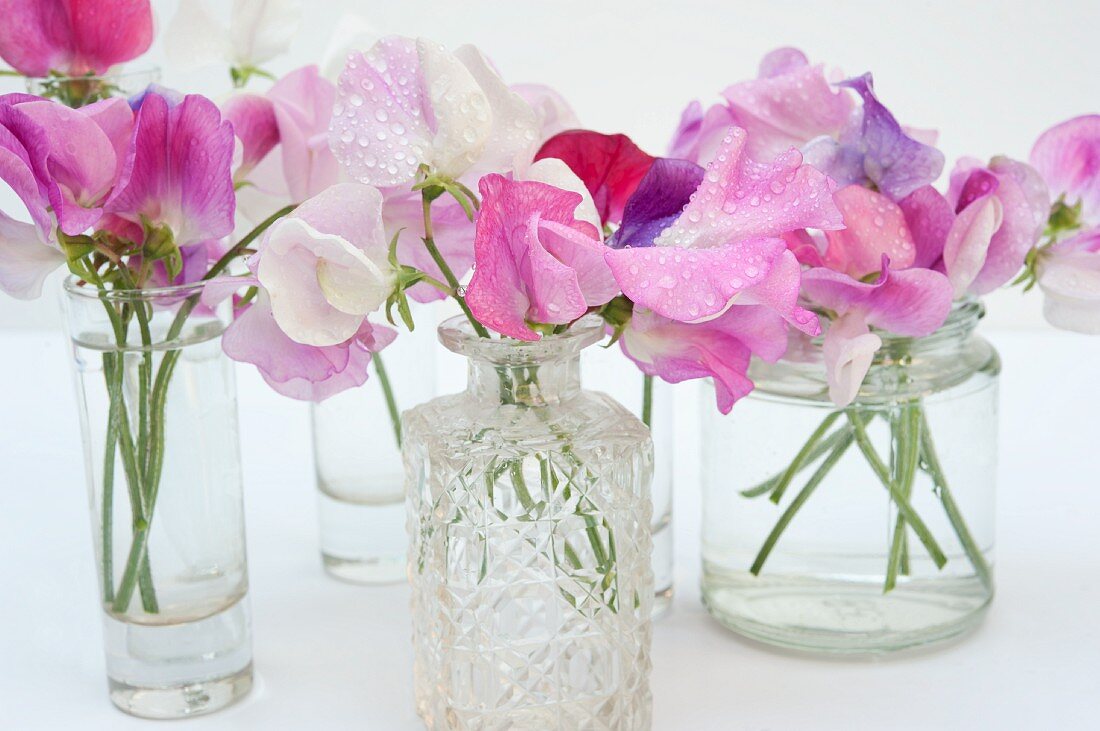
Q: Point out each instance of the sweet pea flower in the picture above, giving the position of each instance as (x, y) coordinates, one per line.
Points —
(258, 31)
(73, 38)
(720, 348)
(178, 170)
(535, 262)
(304, 372)
(907, 302)
(610, 166)
(253, 120)
(552, 112)
(326, 266)
(1068, 271)
(725, 247)
(657, 202)
(409, 103)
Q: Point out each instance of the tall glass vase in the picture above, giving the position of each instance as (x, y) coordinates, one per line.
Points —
(864, 529)
(651, 400)
(529, 559)
(158, 413)
(357, 454)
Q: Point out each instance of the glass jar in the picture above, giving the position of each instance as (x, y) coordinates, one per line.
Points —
(158, 414)
(858, 530)
(607, 370)
(80, 91)
(357, 454)
(529, 559)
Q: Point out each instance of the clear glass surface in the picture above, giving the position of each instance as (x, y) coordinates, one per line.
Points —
(609, 371)
(529, 519)
(825, 566)
(79, 91)
(159, 422)
(360, 476)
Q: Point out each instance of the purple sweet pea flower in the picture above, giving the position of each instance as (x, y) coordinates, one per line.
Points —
(876, 149)
(178, 171)
(720, 348)
(535, 262)
(657, 202)
(725, 247)
(909, 302)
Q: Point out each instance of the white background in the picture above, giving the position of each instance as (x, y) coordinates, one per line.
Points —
(990, 76)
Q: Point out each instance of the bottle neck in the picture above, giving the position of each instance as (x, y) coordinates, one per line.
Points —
(534, 384)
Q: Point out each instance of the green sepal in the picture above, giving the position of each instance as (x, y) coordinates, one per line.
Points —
(75, 247)
(1063, 217)
(617, 314)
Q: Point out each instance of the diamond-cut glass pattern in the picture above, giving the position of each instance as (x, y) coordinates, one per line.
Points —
(530, 561)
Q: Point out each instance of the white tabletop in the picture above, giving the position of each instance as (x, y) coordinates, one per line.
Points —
(335, 656)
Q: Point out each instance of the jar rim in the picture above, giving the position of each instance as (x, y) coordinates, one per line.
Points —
(153, 72)
(458, 336)
(74, 289)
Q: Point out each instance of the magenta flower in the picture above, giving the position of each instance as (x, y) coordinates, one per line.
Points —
(253, 120)
(908, 302)
(1067, 156)
(304, 372)
(535, 263)
(725, 247)
(610, 166)
(178, 170)
(73, 37)
(720, 348)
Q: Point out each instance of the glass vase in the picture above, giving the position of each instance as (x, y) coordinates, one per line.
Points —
(158, 414)
(864, 529)
(651, 400)
(357, 454)
(529, 559)
(80, 91)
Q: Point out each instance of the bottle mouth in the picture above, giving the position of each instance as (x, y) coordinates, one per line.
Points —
(458, 336)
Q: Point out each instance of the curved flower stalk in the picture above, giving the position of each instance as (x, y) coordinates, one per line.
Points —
(257, 32)
(1067, 265)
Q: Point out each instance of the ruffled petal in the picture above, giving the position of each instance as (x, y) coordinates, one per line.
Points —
(461, 108)
(657, 202)
(302, 103)
(874, 226)
(929, 216)
(25, 260)
(700, 133)
(1068, 158)
(253, 120)
(555, 172)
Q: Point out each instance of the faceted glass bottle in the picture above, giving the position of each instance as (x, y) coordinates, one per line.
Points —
(529, 527)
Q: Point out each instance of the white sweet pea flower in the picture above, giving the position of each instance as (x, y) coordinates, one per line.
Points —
(406, 103)
(258, 31)
(326, 266)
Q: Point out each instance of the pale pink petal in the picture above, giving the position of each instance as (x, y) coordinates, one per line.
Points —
(585, 256)
(260, 30)
(740, 199)
(848, 350)
(25, 260)
(1068, 157)
(353, 212)
(552, 287)
(968, 240)
(372, 100)
(1069, 275)
(782, 61)
(302, 104)
(789, 107)
(692, 284)
(555, 172)
(779, 293)
(874, 226)
(700, 133)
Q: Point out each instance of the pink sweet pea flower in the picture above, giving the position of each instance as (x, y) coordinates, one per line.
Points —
(720, 348)
(303, 372)
(908, 302)
(1068, 158)
(610, 166)
(407, 103)
(725, 247)
(874, 226)
(178, 171)
(73, 37)
(253, 120)
(326, 266)
(535, 262)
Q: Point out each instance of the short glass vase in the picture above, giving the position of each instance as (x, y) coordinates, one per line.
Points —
(357, 454)
(865, 529)
(158, 412)
(529, 517)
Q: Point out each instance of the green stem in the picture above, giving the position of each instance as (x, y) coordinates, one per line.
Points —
(387, 393)
(800, 459)
(448, 274)
(907, 437)
(647, 400)
(904, 508)
(107, 510)
(800, 500)
(934, 469)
